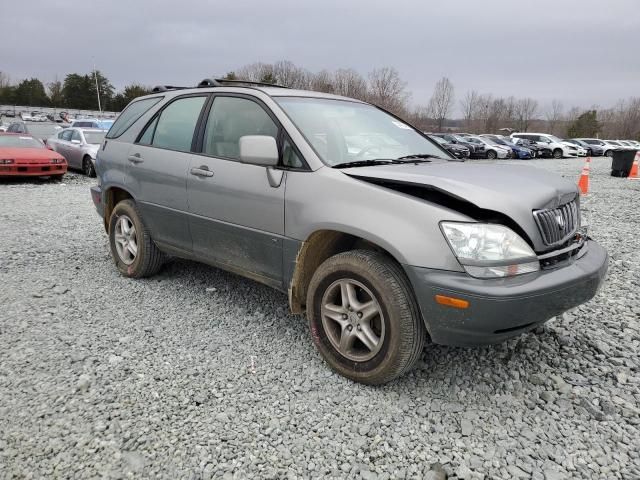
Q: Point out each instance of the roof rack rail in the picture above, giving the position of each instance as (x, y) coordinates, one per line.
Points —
(219, 82)
(209, 82)
(164, 88)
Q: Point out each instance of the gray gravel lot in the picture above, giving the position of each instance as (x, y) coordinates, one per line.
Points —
(201, 374)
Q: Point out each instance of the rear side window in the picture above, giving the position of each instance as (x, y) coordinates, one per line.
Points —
(130, 114)
(176, 124)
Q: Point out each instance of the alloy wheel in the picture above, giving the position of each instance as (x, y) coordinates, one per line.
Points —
(353, 320)
(126, 239)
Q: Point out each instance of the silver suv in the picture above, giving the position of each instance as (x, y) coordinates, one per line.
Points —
(372, 229)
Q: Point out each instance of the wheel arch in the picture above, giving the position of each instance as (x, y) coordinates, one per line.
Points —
(111, 197)
(317, 248)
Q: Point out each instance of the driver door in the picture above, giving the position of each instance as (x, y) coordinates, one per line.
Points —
(236, 211)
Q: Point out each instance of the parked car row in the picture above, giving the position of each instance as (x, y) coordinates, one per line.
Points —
(527, 145)
(76, 146)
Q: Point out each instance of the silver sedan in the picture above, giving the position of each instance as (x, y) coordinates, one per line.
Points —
(79, 146)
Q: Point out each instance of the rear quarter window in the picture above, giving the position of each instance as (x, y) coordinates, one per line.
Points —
(130, 114)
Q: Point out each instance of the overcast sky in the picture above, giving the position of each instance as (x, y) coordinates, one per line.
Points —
(584, 52)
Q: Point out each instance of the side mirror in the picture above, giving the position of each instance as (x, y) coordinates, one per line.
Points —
(259, 149)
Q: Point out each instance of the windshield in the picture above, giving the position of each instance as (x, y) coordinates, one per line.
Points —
(342, 131)
(555, 139)
(95, 138)
(441, 141)
(17, 141)
(613, 143)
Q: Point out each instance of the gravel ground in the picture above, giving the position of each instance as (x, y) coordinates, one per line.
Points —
(201, 374)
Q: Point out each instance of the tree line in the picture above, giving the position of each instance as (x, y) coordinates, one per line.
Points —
(76, 91)
(480, 112)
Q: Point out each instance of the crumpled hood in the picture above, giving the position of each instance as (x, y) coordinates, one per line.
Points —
(512, 190)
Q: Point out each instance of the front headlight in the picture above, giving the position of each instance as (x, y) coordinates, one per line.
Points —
(487, 250)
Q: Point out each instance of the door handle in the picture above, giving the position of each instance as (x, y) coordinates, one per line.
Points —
(135, 158)
(202, 171)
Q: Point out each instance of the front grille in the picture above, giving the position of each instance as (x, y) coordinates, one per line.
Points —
(558, 224)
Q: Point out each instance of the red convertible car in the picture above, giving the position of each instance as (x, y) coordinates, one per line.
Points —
(24, 156)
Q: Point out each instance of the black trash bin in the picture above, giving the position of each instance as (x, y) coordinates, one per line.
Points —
(622, 162)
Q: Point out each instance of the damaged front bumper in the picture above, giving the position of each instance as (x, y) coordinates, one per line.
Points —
(502, 308)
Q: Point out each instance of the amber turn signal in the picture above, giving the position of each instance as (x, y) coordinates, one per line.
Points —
(452, 302)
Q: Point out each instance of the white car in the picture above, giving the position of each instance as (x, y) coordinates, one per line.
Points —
(491, 149)
(582, 152)
(26, 117)
(628, 144)
(557, 146)
(614, 145)
(608, 149)
(38, 117)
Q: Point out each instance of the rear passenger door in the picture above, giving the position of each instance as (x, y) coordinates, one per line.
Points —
(157, 170)
(62, 143)
(74, 150)
(236, 214)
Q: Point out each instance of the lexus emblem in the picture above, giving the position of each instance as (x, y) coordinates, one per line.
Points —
(560, 221)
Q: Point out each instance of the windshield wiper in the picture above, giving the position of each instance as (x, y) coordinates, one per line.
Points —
(419, 156)
(363, 163)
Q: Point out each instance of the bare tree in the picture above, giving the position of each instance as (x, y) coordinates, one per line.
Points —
(388, 90)
(526, 109)
(257, 72)
(481, 113)
(441, 101)
(495, 114)
(350, 83)
(288, 74)
(554, 115)
(322, 82)
(469, 105)
(5, 81)
(628, 118)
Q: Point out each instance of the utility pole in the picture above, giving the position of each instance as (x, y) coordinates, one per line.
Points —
(95, 74)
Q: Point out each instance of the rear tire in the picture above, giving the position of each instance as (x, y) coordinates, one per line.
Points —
(377, 315)
(87, 167)
(557, 154)
(132, 248)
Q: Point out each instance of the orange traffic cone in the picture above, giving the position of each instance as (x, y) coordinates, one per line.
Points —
(583, 183)
(634, 168)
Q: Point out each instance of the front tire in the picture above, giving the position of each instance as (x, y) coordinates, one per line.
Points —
(557, 154)
(363, 317)
(132, 248)
(87, 167)
(608, 153)
(491, 155)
